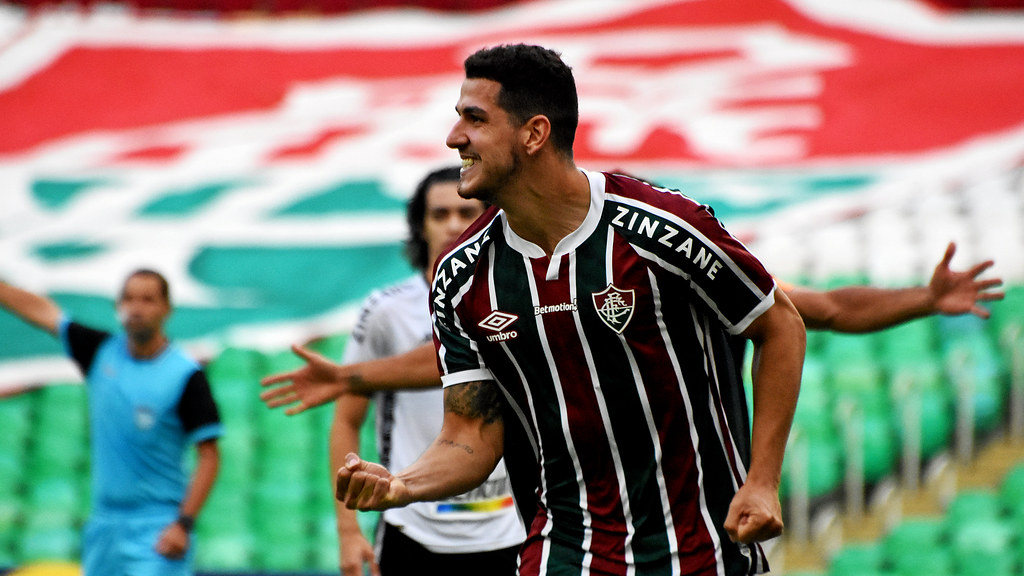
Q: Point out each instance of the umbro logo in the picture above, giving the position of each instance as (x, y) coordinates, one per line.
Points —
(496, 322)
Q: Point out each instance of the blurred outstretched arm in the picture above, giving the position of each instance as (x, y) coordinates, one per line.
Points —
(34, 309)
(867, 308)
(321, 381)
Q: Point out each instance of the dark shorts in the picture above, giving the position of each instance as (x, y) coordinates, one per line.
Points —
(401, 555)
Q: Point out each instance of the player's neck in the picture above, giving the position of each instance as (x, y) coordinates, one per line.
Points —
(552, 205)
(148, 349)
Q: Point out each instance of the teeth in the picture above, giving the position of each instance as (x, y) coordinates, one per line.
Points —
(467, 162)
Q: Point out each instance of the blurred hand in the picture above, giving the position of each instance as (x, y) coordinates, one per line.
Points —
(960, 292)
(363, 485)
(173, 542)
(318, 382)
(755, 515)
(356, 553)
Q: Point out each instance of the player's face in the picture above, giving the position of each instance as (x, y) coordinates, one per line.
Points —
(487, 140)
(447, 215)
(142, 308)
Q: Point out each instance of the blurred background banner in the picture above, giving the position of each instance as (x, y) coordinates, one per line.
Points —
(262, 163)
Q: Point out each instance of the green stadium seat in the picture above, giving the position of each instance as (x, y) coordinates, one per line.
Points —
(55, 494)
(291, 554)
(879, 441)
(226, 511)
(11, 510)
(235, 365)
(1011, 494)
(983, 547)
(227, 551)
(325, 543)
(972, 505)
(37, 544)
(12, 472)
(857, 559)
(970, 354)
(918, 546)
(8, 557)
(912, 340)
(16, 414)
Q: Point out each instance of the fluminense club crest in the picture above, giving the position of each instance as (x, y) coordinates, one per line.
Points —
(614, 307)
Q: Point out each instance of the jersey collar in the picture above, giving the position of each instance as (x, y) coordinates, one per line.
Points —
(575, 238)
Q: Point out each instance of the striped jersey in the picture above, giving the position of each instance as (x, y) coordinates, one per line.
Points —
(619, 384)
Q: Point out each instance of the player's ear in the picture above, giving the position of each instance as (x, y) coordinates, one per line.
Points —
(535, 133)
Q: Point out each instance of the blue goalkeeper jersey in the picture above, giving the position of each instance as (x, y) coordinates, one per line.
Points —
(144, 413)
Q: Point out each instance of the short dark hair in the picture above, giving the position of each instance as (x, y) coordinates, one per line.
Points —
(534, 80)
(416, 211)
(165, 287)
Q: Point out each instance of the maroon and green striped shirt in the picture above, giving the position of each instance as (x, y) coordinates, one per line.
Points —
(614, 362)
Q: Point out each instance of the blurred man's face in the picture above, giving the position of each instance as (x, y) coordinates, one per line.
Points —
(142, 308)
(447, 215)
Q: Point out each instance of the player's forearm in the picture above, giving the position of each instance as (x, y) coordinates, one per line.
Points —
(416, 368)
(461, 458)
(857, 309)
(207, 466)
(777, 366)
(37, 310)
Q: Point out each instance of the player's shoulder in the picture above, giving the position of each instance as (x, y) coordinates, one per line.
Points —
(385, 306)
(461, 257)
(182, 357)
(631, 187)
(628, 190)
(413, 288)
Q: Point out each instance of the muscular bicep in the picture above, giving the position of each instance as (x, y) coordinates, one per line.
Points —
(474, 400)
(473, 419)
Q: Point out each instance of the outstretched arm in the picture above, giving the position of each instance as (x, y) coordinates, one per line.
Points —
(37, 310)
(779, 342)
(867, 309)
(462, 456)
(321, 381)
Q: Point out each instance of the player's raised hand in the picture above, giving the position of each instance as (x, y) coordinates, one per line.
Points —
(363, 485)
(318, 382)
(960, 292)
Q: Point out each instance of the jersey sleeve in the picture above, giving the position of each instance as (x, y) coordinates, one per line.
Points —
(458, 359)
(197, 409)
(685, 238)
(81, 342)
(726, 275)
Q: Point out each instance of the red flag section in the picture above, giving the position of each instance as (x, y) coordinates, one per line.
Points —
(726, 82)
